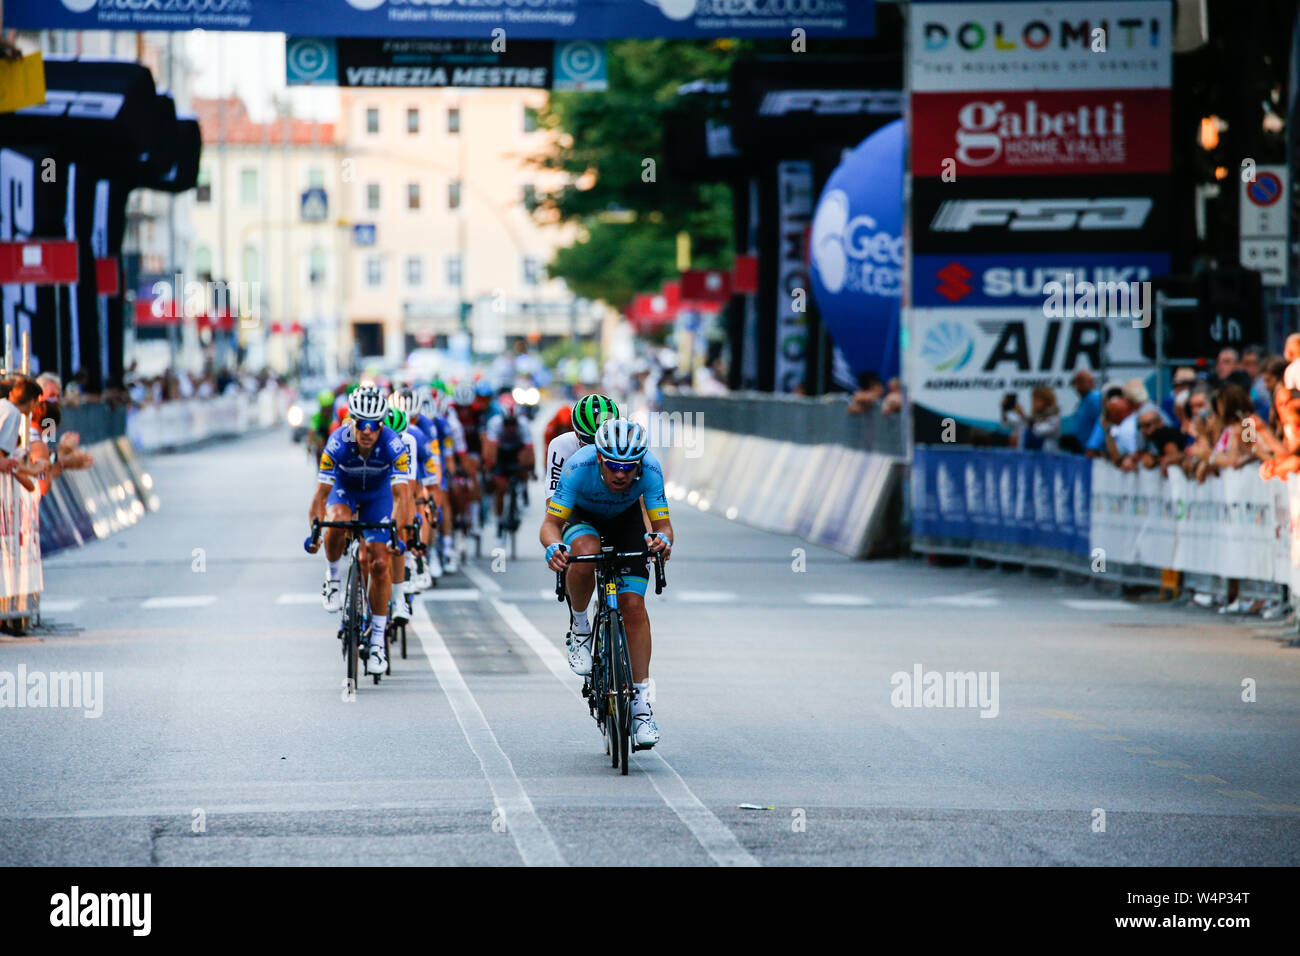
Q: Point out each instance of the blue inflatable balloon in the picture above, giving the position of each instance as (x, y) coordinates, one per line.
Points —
(857, 252)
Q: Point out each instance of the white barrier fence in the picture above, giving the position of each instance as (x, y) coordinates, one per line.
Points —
(21, 577)
(189, 421)
(827, 494)
(1235, 525)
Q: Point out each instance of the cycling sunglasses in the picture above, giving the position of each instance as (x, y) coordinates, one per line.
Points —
(367, 426)
(622, 466)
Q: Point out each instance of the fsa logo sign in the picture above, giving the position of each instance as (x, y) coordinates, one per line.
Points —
(1041, 215)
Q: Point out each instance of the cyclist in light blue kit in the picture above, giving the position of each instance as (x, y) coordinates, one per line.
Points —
(599, 499)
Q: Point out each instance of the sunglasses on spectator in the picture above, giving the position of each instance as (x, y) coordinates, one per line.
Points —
(367, 426)
(622, 467)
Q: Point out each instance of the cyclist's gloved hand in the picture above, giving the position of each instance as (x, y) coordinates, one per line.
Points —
(654, 538)
(399, 546)
(551, 550)
(310, 545)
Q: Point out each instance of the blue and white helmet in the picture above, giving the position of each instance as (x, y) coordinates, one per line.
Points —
(621, 440)
(367, 404)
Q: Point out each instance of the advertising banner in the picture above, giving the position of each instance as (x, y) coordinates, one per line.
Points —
(1036, 214)
(969, 496)
(1077, 45)
(1014, 280)
(1045, 133)
(416, 62)
(524, 19)
(794, 215)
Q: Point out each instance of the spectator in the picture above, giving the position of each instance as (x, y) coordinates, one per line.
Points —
(870, 390)
(1126, 437)
(14, 411)
(1253, 361)
(50, 387)
(1115, 408)
(711, 379)
(1227, 363)
(1198, 407)
(1086, 414)
(892, 403)
(1162, 445)
(1231, 408)
(1175, 405)
(1044, 430)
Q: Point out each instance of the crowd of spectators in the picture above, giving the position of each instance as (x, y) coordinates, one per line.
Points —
(31, 449)
(872, 393)
(172, 386)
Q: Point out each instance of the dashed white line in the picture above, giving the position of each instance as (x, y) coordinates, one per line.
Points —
(58, 607)
(839, 600)
(971, 599)
(533, 840)
(451, 594)
(1096, 604)
(301, 597)
(483, 581)
(711, 833)
(706, 597)
(183, 600)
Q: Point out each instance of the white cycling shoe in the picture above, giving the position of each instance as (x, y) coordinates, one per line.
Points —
(580, 653)
(331, 596)
(645, 732)
(433, 566)
(401, 608)
(377, 661)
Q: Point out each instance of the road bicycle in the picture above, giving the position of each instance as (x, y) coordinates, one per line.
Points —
(609, 690)
(512, 515)
(354, 616)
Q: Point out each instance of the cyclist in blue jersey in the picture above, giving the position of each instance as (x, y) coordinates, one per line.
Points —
(599, 499)
(361, 465)
(429, 475)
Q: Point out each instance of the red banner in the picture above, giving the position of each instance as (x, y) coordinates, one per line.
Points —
(702, 285)
(1040, 132)
(38, 262)
(745, 275)
(106, 276)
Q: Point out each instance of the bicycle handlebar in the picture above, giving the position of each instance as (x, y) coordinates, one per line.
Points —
(660, 581)
(354, 525)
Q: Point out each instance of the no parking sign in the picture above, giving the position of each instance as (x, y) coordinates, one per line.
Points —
(1263, 214)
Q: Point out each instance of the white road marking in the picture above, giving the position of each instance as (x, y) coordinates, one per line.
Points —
(57, 607)
(183, 600)
(706, 597)
(302, 597)
(450, 594)
(533, 840)
(483, 581)
(719, 842)
(970, 599)
(1097, 604)
(839, 600)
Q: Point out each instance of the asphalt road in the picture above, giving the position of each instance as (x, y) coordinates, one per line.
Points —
(1117, 735)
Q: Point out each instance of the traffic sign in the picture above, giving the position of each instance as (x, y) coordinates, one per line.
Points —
(364, 234)
(315, 205)
(1263, 217)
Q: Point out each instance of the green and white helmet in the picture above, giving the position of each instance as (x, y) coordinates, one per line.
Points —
(588, 413)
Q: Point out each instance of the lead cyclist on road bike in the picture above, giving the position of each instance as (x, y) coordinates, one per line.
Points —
(598, 500)
(362, 463)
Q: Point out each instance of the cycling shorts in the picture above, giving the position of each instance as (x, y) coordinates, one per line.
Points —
(625, 531)
(374, 505)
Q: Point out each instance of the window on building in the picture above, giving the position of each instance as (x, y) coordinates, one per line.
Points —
(453, 119)
(203, 190)
(413, 196)
(533, 271)
(454, 270)
(372, 196)
(372, 120)
(248, 187)
(453, 194)
(530, 197)
(252, 264)
(414, 271)
(374, 271)
(315, 178)
(530, 119)
(413, 120)
(203, 263)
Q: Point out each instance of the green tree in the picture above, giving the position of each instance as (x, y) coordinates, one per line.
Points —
(629, 210)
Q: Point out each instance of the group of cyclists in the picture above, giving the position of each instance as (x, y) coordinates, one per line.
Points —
(422, 458)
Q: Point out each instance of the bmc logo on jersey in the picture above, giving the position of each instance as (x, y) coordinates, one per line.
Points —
(1042, 215)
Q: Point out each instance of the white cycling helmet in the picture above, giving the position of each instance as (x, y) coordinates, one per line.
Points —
(621, 440)
(464, 394)
(367, 404)
(406, 399)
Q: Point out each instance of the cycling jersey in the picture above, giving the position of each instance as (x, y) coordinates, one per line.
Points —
(496, 432)
(581, 486)
(343, 465)
(471, 418)
(428, 464)
(457, 432)
(560, 450)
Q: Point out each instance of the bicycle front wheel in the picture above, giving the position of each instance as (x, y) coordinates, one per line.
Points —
(355, 612)
(621, 690)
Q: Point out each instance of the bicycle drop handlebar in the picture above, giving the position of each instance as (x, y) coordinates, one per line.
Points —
(355, 525)
(612, 556)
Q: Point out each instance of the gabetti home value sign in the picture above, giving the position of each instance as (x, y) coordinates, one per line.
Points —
(522, 19)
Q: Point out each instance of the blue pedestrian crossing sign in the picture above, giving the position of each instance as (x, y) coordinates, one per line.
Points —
(315, 205)
(363, 234)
